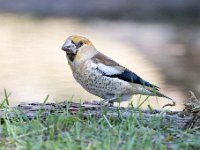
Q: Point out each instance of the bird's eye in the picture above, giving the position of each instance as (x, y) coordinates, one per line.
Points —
(80, 44)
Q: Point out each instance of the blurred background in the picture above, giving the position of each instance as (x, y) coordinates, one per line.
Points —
(159, 40)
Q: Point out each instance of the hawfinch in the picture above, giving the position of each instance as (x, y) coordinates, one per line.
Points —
(102, 76)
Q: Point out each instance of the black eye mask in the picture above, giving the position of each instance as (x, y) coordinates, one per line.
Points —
(79, 44)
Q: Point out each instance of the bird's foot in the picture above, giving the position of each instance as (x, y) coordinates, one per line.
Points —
(108, 102)
(92, 102)
(98, 104)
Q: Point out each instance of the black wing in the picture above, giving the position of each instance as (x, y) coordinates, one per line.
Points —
(129, 76)
(119, 72)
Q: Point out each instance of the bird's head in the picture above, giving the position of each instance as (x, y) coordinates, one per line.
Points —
(76, 45)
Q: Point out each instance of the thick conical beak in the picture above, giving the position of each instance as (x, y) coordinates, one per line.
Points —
(67, 46)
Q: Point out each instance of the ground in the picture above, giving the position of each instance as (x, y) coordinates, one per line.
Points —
(64, 129)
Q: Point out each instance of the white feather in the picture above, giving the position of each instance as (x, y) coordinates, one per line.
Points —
(108, 70)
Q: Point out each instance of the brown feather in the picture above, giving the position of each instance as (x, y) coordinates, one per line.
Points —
(101, 58)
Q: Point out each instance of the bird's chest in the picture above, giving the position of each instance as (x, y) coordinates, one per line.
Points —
(96, 83)
(89, 78)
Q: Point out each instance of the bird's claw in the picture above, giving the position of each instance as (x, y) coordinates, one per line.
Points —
(97, 104)
(109, 104)
(92, 102)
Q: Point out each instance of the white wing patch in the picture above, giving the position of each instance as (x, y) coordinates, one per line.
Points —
(108, 70)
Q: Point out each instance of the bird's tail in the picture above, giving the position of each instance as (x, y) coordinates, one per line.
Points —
(157, 93)
(154, 91)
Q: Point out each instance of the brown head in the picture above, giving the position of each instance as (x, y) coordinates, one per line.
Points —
(75, 45)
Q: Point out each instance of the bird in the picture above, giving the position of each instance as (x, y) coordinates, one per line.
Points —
(102, 76)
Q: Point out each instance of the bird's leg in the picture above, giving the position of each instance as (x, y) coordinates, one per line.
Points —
(110, 101)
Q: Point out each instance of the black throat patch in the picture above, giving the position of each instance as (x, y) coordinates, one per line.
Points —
(71, 56)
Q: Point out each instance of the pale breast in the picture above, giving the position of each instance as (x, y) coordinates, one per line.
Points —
(94, 82)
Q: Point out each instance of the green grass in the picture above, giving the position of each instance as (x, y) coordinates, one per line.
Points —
(65, 131)
(72, 132)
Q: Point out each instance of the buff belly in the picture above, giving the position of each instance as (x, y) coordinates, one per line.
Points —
(102, 86)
